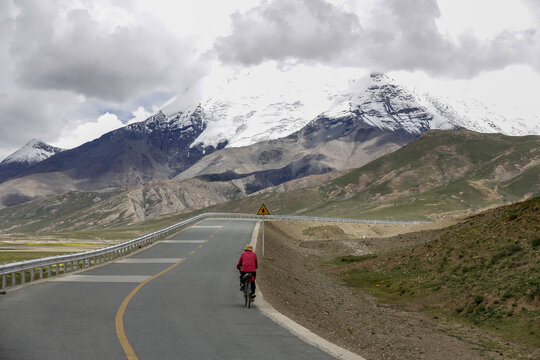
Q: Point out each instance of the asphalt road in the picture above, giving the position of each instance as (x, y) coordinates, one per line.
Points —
(192, 311)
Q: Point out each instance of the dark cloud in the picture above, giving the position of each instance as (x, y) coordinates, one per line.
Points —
(288, 30)
(88, 60)
(397, 35)
(26, 114)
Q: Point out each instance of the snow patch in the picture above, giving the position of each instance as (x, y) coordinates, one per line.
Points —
(33, 152)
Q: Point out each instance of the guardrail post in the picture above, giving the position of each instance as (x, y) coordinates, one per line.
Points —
(4, 281)
(32, 274)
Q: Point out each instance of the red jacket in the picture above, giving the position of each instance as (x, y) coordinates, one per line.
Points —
(247, 262)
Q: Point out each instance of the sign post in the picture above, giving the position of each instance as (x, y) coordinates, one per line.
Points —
(263, 211)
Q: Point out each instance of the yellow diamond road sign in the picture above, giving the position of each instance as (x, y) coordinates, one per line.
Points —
(263, 210)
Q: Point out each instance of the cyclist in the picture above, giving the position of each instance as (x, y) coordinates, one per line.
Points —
(248, 264)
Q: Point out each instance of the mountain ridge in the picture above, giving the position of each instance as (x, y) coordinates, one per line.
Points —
(408, 184)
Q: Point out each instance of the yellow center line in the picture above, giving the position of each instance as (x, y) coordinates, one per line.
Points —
(120, 331)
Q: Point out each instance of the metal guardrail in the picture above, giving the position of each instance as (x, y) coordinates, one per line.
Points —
(315, 218)
(19, 273)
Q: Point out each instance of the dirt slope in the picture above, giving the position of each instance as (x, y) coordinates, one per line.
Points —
(293, 280)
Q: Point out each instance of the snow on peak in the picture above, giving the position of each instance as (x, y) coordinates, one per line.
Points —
(243, 107)
(32, 153)
(381, 103)
(247, 106)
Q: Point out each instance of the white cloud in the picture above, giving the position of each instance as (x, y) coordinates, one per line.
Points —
(89, 131)
(140, 114)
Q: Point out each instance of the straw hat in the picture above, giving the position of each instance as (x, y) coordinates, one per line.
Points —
(248, 247)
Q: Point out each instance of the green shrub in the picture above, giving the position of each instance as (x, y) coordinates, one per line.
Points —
(507, 296)
(480, 309)
(512, 249)
(478, 299)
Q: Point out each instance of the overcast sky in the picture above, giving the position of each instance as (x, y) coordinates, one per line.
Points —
(72, 70)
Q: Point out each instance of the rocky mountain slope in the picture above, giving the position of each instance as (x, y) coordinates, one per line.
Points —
(79, 210)
(153, 149)
(324, 145)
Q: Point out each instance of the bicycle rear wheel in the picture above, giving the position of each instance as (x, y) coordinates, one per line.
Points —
(247, 293)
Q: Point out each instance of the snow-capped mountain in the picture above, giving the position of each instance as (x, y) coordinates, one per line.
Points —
(31, 153)
(247, 107)
(387, 106)
(473, 115)
(21, 160)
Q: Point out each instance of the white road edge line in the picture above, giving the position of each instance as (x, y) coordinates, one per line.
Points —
(148, 261)
(295, 328)
(103, 278)
(183, 241)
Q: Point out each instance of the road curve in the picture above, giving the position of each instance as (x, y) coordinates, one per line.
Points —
(178, 299)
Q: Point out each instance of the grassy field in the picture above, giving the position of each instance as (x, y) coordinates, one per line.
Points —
(483, 272)
(16, 256)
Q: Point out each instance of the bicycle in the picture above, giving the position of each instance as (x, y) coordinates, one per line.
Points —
(248, 279)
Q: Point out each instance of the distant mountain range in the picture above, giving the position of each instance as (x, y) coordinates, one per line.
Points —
(441, 174)
(250, 136)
